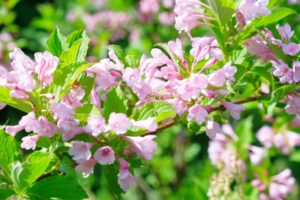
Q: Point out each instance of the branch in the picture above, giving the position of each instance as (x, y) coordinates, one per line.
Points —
(220, 107)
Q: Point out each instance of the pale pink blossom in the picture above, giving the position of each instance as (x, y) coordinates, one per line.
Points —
(119, 123)
(282, 71)
(212, 129)
(296, 71)
(125, 178)
(80, 150)
(27, 122)
(234, 109)
(291, 49)
(259, 185)
(45, 127)
(105, 155)
(281, 185)
(86, 167)
(21, 62)
(74, 97)
(148, 124)
(285, 32)
(179, 105)
(293, 105)
(144, 146)
(188, 15)
(197, 113)
(251, 9)
(62, 111)
(176, 48)
(258, 47)
(265, 136)
(219, 77)
(46, 65)
(95, 125)
(257, 154)
(29, 142)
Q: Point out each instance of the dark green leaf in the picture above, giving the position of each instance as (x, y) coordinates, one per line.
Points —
(56, 43)
(57, 187)
(116, 101)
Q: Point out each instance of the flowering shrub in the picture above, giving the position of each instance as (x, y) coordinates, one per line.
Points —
(80, 114)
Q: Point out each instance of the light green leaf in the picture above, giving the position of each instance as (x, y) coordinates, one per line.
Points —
(117, 50)
(295, 156)
(23, 175)
(18, 104)
(8, 150)
(116, 101)
(56, 43)
(57, 187)
(160, 110)
(222, 9)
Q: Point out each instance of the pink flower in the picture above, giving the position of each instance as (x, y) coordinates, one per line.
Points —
(212, 129)
(96, 125)
(285, 32)
(176, 48)
(62, 111)
(281, 185)
(143, 146)
(69, 128)
(252, 9)
(188, 16)
(291, 49)
(190, 88)
(21, 62)
(258, 47)
(119, 123)
(265, 136)
(73, 98)
(86, 167)
(234, 109)
(45, 127)
(283, 72)
(27, 122)
(179, 105)
(293, 105)
(256, 154)
(105, 155)
(220, 76)
(125, 178)
(197, 113)
(46, 65)
(80, 150)
(296, 71)
(29, 142)
(148, 124)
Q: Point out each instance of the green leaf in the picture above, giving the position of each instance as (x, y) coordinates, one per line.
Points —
(18, 104)
(23, 175)
(57, 187)
(245, 135)
(276, 15)
(295, 156)
(111, 174)
(116, 101)
(73, 37)
(160, 110)
(8, 150)
(77, 52)
(222, 9)
(65, 76)
(132, 61)
(56, 43)
(6, 193)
